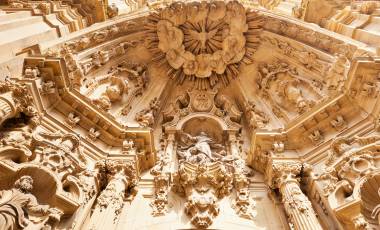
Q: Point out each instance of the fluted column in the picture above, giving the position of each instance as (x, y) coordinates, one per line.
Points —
(297, 206)
(7, 107)
(90, 182)
(110, 202)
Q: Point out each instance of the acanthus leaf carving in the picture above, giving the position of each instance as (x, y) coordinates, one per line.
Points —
(284, 171)
(244, 205)
(15, 99)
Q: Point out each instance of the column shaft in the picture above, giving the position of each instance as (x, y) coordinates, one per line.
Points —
(298, 207)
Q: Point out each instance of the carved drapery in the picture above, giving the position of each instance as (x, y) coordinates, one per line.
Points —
(233, 141)
(169, 151)
(146, 117)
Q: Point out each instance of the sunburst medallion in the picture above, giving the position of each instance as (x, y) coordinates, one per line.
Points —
(204, 42)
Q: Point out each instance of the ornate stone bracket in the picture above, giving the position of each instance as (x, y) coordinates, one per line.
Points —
(202, 185)
(161, 190)
(244, 205)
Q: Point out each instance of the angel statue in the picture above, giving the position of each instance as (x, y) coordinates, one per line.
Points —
(199, 149)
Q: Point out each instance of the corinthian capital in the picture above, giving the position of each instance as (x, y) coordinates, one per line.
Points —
(283, 171)
(15, 98)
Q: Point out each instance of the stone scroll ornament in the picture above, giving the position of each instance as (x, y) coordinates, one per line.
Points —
(205, 42)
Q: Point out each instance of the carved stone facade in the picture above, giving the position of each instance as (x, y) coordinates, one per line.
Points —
(259, 114)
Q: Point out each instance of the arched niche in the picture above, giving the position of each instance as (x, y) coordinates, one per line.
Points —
(47, 188)
(44, 182)
(15, 154)
(213, 126)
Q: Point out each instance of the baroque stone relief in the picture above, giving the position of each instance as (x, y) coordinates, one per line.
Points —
(116, 90)
(202, 185)
(55, 154)
(310, 37)
(198, 101)
(209, 168)
(61, 153)
(366, 83)
(309, 59)
(370, 203)
(286, 91)
(100, 70)
(350, 160)
(20, 209)
(203, 42)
